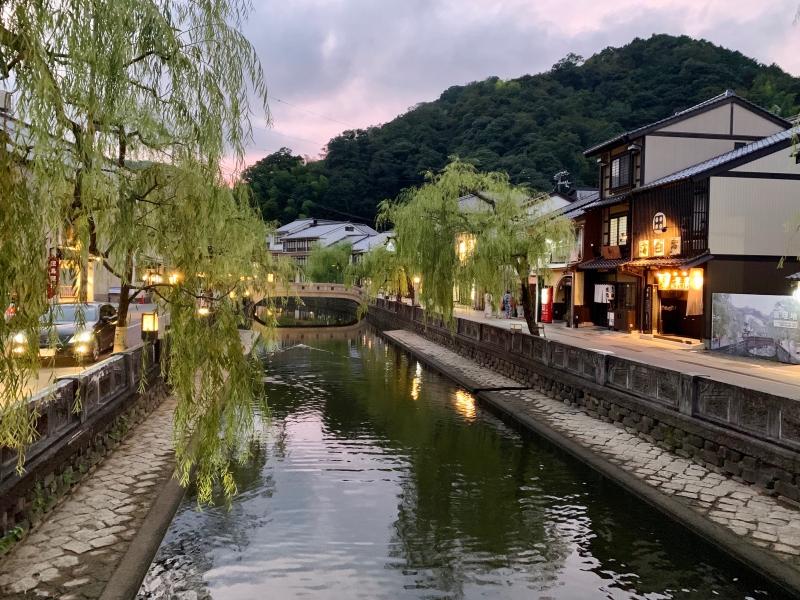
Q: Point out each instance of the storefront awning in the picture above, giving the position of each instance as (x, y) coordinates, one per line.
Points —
(670, 262)
(603, 263)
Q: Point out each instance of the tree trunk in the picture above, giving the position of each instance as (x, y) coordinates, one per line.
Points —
(121, 333)
(529, 306)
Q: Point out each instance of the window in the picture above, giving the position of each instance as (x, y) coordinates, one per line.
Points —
(621, 171)
(616, 231)
(296, 246)
(349, 228)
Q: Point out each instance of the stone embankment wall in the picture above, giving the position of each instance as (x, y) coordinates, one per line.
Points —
(745, 434)
(71, 442)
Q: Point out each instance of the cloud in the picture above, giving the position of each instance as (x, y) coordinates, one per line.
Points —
(363, 62)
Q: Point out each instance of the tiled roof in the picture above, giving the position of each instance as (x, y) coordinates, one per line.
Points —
(723, 159)
(727, 94)
(320, 230)
(580, 207)
(302, 224)
(368, 242)
(603, 263)
(794, 276)
(668, 261)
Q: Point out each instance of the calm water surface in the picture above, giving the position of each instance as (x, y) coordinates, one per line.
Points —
(378, 479)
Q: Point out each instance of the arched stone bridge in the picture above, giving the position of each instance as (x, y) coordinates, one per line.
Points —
(316, 290)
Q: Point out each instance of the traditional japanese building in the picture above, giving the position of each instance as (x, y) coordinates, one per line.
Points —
(689, 206)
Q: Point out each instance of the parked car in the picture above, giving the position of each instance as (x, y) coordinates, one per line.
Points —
(84, 340)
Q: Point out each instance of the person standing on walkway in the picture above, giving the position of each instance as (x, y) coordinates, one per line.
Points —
(487, 305)
(507, 304)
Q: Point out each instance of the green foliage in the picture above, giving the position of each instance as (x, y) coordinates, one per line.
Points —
(379, 270)
(130, 107)
(328, 264)
(284, 188)
(537, 125)
(507, 230)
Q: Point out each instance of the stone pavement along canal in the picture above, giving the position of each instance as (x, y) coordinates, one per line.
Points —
(74, 552)
(756, 374)
(754, 516)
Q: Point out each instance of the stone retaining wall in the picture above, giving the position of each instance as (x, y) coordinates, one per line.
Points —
(748, 435)
(70, 442)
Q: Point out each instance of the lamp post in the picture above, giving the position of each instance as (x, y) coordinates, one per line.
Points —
(415, 301)
(149, 327)
(796, 293)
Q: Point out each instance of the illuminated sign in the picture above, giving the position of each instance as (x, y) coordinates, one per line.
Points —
(680, 280)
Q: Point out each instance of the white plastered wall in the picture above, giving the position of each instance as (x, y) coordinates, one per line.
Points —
(748, 216)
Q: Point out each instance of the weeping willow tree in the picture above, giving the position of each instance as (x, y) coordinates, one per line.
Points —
(379, 270)
(463, 245)
(328, 264)
(123, 113)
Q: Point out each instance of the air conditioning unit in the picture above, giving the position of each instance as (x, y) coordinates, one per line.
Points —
(5, 101)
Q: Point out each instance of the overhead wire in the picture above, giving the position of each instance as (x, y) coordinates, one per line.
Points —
(311, 111)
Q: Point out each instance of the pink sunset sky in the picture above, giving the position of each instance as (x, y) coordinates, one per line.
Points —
(363, 62)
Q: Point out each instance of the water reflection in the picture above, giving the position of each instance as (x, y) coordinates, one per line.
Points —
(465, 405)
(415, 383)
(379, 479)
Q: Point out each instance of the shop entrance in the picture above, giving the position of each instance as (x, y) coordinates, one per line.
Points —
(562, 298)
(680, 306)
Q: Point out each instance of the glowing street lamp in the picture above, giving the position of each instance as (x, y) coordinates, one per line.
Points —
(149, 327)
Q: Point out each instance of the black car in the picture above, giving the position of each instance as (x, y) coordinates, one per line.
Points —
(81, 331)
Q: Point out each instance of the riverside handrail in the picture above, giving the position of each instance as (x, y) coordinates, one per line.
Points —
(99, 386)
(748, 411)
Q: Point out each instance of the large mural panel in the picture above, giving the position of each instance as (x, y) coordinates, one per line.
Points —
(756, 326)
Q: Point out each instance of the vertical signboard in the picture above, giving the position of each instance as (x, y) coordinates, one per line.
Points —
(53, 273)
(647, 312)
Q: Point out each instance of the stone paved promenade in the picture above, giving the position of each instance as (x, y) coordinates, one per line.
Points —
(748, 512)
(76, 549)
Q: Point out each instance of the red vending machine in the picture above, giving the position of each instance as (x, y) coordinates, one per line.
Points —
(547, 305)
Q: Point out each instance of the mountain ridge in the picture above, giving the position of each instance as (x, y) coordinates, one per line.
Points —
(531, 126)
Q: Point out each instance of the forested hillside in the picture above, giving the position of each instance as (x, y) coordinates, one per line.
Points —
(530, 127)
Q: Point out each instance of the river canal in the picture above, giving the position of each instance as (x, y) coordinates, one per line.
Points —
(376, 478)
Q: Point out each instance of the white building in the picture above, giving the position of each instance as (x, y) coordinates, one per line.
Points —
(295, 239)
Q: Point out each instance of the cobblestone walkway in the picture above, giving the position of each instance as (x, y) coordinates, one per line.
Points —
(747, 511)
(74, 552)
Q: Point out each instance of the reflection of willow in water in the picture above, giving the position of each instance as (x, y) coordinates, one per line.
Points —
(459, 520)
